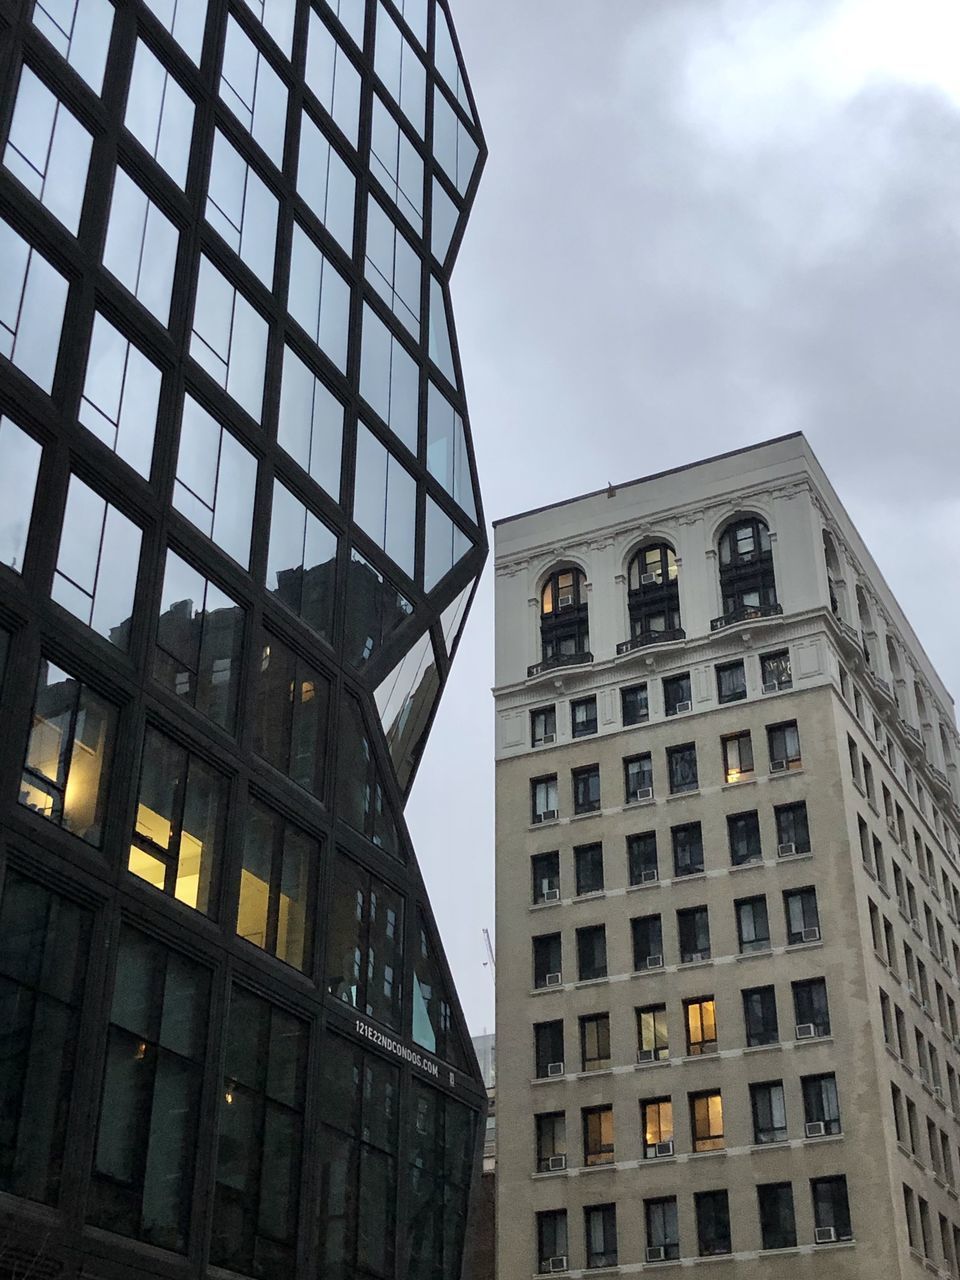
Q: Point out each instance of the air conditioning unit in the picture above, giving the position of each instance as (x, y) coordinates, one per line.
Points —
(564, 602)
(681, 707)
(654, 962)
(771, 686)
(825, 1235)
(815, 1129)
(810, 935)
(547, 739)
(646, 1055)
(648, 875)
(641, 793)
(656, 1253)
(554, 979)
(806, 1031)
(551, 895)
(554, 1068)
(663, 1149)
(778, 766)
(938, 1092)
(556, 1163)
(557, 1264)
(786, 850)
(647, 579)
(546, 815)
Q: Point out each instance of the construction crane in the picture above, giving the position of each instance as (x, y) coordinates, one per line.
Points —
(489, 945)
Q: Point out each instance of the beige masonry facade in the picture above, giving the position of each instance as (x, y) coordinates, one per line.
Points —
(811, 1126)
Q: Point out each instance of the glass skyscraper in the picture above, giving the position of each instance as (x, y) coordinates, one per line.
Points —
(240, 531)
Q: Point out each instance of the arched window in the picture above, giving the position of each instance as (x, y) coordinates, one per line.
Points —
(832, 561)
(564, 620)
(653, 595)
(747, 581)
(868, 632)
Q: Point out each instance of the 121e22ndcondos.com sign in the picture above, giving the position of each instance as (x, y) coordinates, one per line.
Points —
(401, 1050)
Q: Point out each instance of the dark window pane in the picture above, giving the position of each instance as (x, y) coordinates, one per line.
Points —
(291, 715)
(364, 945)
(642, 857)
(588, 863)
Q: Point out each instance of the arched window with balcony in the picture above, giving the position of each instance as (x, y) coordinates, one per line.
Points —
(834, 575)
(896, 674)
(748, 584)
(564, 618)
(868, 630)
(653, 596)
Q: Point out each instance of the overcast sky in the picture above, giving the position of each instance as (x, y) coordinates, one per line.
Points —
(703, 223)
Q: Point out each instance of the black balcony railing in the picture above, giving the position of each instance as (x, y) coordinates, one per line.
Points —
(651, 637)
(559, 660)
(746, 613)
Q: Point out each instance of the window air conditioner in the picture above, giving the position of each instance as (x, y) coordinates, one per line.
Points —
(647, 579)
(815, 1129)
(646, 1055)
(547, 739)
(556, 1163)
(648, 875)
(810, 935)
(806, 1031)
(777, 766)
(825, 1235)
(554, 1068)
(641, 793)
(551, 895)
(554, 980)
(663, 1149)
(771, 686)
(564, 602)
(938, 1092)
(654, 962)
(786, 850)
(656, 1253)
(546, 815)
(681, 707)
(557, 1264)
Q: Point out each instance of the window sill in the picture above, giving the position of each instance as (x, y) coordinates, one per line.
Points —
(549, 1173)
(592, 1073)
(790, 772)
(590, 896)
(747, 865)
(791, 947)
(740, 782)
(591, 982)
(779, 1145)
(695, 964)
(684, 795)
(542, 991)
(638, 804)
(604, 1167)
(587, 813)
(802, 1044)
(547, 822)
(644, 884)
(707, 1155)
(750, 955)
(690, 875)
(762, 1048)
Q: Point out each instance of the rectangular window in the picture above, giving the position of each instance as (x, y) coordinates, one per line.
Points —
(543, 799)
(663, 1229)
(638, 778)
(258, 1153)
(545, 873)
(653, 1042)
(597, 1135)
(319, 298)
(583, 717)
(185, 22)
(390, 384)
(243, 209)
(253, 91)
(141, 247)
(737, 757)
(687, 849)
(333, 78)
(783, 742)
(159, 114)
(753, 928)
(642, 858)
(396, 163)
(647, 943)
(743, 832)
(775, 671)
(229, 337)
(600, 1235)
(731, 682)
(821, 1105)
(543, 726)
(276, 895)
(43, 963)
(551, 1241)
(181, 810)
(595, 1042)
(656, 1120)
(302, 561)
(32, 304)
(700, 1018)
(142, 1184)
(392, 267)
(551, 1141)
(310, 425)
(831, 1209)
(586, 789)
(633, 705)
(693, 935)
(364, 944)
(66, 772)
(792, 827)
(682, 768)
(548, 1046)
(778, 1227)
(588, 866)
(760, 1016)
(290, 723)
(592, 953)
(547, 963)
(215, 482)
(713, 1223)
(676, 694)
(769, 1111)
(326, 183)
(802, 916)
(811, 1008)
(83, 43)
(121, 395)
(398, 66)
(706, 1121)
(19, 467)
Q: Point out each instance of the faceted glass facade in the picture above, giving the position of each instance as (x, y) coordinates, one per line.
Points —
(240, 530)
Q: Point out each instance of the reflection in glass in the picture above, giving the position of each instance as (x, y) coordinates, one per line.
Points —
(448, 64)
(229, 338)
(253, 91)
(185, 20)
(405, 701)
(141, 246)
(159, 114)
(67, 767)
(326, 183)
(311, 423)
(415, 15)
(392, 267)
(447, 458)
(438, 1144)
(277, 17)
(362, 802)
(242, 208)
(375, 608)
(398, 165)
(180, 809)
(351, 14)
(48, 150)
(199, 640)
(452, 618)
(445, 216)
(121, 394)
(33, 297)
(385, 500)
(83, 44)
(96, 536)
(274, 910)
(446, 545)
(432, 1014)
(364, 948)
(19, 468)
(319, 298)
(143, 1170)
(441, 353)
(389, 378)
(333, 77)
(400, 70)
(291, 710)
(302, 561)
(454, 149)
(216, 477)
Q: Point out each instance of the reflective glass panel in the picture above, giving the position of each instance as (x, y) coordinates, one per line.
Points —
(453, 147)
(389, 378)
(395, 161)
(375, 608)
(447, 458)
(33, 297)
(326, 183)
(185, 20)
(19, 467)
(96, 576)
(216, 478)
(441, 353)
(277, 18)
(432, 1011)
(392, 267)
(253, 91)
(400, 69)
(160, 114)
(445, 215)
(274, 905)
(448, 64)
(311, 423)
(405, 701)
(302, 561)
(364, 954)
(446, 544)
(242, 208)
(229, 339)
(452, 618)
(319, 298)
(362, 800)
(415, 15)
(121, 394)
(79, 30)
(48, 150)
(351, 14)
(333, 77)
(385, 500)
(292, 705)
(141, 246)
